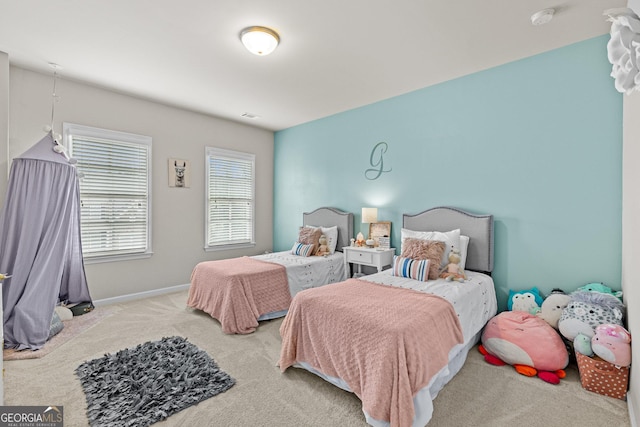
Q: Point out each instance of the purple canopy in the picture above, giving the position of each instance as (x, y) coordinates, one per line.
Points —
(40, 244)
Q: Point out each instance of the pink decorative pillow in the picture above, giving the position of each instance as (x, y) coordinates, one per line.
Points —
(310, 236)
(425, 249)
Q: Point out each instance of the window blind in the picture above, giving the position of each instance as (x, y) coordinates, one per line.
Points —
(114, 195)
(230, 198)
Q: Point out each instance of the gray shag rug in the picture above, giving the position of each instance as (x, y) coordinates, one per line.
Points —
(146, 384)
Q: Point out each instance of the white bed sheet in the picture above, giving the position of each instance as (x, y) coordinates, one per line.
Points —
(475, 303)
(308, 272)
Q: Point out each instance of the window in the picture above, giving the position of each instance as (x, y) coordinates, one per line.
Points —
(115, 192)
(230, 199)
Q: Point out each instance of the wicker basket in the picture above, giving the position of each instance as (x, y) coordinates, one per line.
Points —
(600, 376)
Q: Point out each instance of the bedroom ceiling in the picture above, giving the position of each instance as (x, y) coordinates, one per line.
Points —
(334, 55)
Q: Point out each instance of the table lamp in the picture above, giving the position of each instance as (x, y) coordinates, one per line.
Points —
(369, 216)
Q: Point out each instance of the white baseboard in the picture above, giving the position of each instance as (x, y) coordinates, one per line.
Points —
(140, 295)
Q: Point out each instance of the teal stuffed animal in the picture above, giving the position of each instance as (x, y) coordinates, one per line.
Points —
(600, 287)
(582, 344)
(528, 300)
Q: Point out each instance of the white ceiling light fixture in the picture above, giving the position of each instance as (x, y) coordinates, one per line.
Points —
(542, 17)
(260, 41)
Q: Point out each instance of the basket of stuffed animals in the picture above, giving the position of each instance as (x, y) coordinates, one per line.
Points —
(599, 376)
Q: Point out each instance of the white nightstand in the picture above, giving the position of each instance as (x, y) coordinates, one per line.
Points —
(367, 256)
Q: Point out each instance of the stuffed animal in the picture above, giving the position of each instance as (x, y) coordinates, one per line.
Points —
(552, 307)
(453, 271)
(323, 246)
(600, 287)
(528, 300)
(582, 344)
(586, 310)
(528, 343)
(613, 344)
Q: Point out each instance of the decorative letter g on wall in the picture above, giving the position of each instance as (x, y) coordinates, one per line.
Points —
(377, 161)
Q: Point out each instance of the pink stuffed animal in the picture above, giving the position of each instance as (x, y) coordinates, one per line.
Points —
(612, 343)
(528, 343)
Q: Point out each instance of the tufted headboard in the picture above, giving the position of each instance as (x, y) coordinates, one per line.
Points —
(328, 217)
(479, 228)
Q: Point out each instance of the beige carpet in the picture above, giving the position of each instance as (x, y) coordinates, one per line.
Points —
(72, 328)
(480, 395)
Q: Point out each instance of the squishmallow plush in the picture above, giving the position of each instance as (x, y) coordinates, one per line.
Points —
(528, 343)
(602, 288)
(582, 344)
(613, 344)
(528, 300)
(586, 310)
(552, 307)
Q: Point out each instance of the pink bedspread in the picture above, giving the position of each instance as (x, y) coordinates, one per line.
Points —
(386, 343)
(238, 291)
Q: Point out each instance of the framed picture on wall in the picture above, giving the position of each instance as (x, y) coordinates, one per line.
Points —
(379, 229)
(179, 173)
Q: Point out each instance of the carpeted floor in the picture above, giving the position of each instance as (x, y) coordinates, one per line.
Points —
(72, 328)
(149, 382)
(480, 395)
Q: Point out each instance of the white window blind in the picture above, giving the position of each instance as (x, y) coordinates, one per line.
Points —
(115, 170)
(230, 199)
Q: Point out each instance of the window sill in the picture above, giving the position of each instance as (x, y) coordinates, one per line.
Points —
(116, 258)
(229, 247)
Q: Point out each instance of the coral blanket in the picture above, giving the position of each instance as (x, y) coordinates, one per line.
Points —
(238, 291)
(385, 342)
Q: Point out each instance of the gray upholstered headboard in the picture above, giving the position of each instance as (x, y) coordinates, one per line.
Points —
(328, 217)
(479, 228)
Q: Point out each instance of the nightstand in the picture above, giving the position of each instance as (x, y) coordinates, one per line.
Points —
(367, 256)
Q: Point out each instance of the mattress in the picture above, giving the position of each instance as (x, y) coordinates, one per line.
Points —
(474, 302)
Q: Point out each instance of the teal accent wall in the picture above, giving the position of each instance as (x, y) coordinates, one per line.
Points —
(536, 142)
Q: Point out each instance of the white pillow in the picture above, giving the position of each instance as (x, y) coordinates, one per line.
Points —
(464, 244)
(331, 233)
(451, 239)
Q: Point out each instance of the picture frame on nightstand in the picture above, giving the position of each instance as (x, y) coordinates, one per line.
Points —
(378, 230)
(384, 242)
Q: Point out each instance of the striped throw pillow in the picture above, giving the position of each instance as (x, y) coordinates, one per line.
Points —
(302, 249)
(411, 268)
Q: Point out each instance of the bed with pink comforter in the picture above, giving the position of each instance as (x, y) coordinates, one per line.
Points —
(394, 341)
(238, 291)
(385, 342)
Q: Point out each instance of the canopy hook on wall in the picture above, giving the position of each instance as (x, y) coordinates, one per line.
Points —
(57, 145)
(54, 99)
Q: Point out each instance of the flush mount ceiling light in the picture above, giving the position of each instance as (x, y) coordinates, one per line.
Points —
(259, 40)
(542, 17)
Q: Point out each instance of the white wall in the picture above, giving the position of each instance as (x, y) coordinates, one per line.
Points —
(177, 213)
(631, 240)
(631, 234)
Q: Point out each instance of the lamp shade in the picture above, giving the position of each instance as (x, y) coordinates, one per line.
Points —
(369, 215)
(259, 40)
